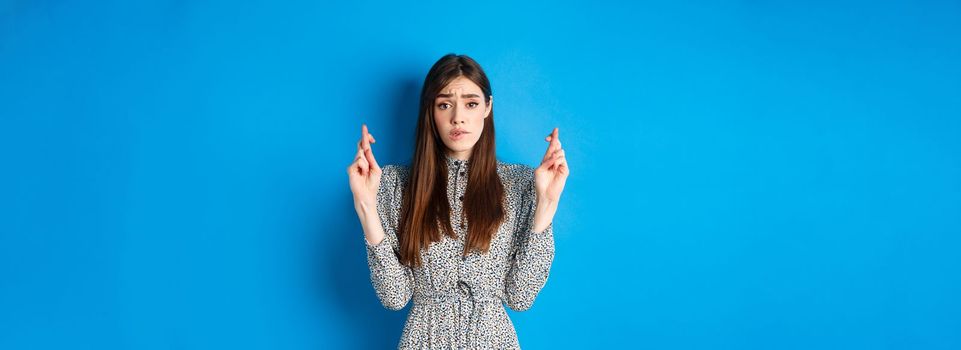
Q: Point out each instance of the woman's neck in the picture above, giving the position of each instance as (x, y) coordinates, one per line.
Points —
(464, 155)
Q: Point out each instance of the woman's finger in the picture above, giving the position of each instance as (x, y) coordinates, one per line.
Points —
(563, 169)
(553, 146)
(360, 152)
(549, 151)
(365, 137)
(560, 158)
(548, 156)
(558, 153)
(360, 144)
(557, 161)
(554, 142)
(368, 152)
(553, 154)
(363, 166)
(556, 139)
(369, 157)
(360, 161)
(549, 161)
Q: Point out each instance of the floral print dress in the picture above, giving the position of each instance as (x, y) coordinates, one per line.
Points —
(458, 302)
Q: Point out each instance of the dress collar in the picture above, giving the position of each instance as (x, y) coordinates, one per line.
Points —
(455, 163)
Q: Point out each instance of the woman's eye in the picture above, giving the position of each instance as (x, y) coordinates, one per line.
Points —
(442, 106)
(472, 103)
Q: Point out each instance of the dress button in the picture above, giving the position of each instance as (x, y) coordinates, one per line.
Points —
(461, 198)
(462, 173)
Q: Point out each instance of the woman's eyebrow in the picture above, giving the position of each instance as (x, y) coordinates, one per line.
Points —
(462, 96)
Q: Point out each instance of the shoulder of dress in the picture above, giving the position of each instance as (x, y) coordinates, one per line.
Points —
(395, 168)
(515, 172)
(394, 172)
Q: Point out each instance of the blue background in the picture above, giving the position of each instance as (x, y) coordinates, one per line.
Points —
(746, 175)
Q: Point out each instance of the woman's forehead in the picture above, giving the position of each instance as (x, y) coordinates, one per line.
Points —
(462, 87)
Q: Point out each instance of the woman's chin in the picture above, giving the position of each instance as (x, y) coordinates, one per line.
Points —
(460, 144)
(457, 147)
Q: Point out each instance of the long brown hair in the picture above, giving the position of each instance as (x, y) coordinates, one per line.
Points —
(425, 209)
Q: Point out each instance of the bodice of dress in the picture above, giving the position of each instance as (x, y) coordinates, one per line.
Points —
(458, 301)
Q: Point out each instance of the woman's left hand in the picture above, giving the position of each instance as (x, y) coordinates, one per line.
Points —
(550, 176)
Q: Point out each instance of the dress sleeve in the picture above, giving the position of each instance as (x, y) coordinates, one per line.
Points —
(392, 281)
(532, 252)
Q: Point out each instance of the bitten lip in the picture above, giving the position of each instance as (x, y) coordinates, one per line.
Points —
(458, 131)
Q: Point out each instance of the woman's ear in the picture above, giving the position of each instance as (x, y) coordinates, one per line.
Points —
(490, 107)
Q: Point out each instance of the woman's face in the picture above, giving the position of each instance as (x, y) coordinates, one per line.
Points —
(459, 113)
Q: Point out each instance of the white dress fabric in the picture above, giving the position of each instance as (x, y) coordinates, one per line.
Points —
(458, 302)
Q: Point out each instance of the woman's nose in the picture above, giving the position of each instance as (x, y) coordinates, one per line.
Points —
(455, 117)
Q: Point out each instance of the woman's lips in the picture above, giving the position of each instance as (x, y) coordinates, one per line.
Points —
(457, 134)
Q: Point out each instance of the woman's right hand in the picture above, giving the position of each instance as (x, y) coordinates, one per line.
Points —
(364, 173)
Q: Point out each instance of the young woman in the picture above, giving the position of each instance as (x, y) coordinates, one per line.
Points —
(459, 232)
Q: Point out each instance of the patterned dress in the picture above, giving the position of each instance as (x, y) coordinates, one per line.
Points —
(458, 302)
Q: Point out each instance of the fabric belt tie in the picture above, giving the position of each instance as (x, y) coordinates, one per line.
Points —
(465, 299)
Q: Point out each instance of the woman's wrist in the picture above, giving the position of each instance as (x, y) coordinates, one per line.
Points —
(544, 215)
(373, 230)
(369, 220)
(364, 207)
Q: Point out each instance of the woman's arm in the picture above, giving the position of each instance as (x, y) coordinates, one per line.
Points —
(364, 175)
(392, 280)
(374, 194)
(533, 253)
(544, 214)
(534, 247)
(370, 222)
